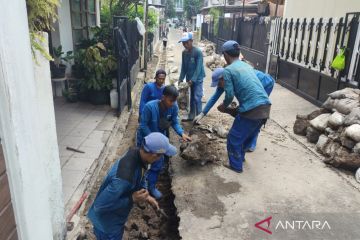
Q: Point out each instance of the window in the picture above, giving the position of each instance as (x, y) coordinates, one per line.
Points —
(83, 17)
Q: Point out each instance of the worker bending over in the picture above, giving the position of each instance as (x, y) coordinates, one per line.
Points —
(122, 187)
(239, 79)
(159, 116)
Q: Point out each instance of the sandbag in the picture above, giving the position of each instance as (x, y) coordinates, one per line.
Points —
(356, 149)
(345, 93)
(329, 104)
(343, 159)
(357, 175)
(353, 132)
(345, 105)
(300, 126)
(353, 117)
(336, 119)
(317, 113)
(312, 134)
(320, 122)
(329, 149)
(322, 142)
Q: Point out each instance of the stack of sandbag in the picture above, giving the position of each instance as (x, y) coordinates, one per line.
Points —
(216, 61)
(335, 128)
(208, 48)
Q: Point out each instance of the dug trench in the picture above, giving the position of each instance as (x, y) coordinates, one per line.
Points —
(143, 222)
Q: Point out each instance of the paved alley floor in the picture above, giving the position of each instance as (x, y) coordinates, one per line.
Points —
(85, 127)
(285, 183)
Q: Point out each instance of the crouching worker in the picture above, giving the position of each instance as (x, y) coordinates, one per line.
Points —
(122, 187)
(239, 79)
(159, 116)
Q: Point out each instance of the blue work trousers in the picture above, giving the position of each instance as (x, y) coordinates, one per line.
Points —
(196, 93)
(240, 135)
(108, 236)
(251, 145)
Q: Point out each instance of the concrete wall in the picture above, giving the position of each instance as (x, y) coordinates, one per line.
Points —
(320, 8)
(28, 133)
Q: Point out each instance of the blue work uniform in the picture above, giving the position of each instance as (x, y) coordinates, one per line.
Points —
(192, 67)
(150, 122)
(113, 202)
(268, 83)
(254, 108)
(150, 92)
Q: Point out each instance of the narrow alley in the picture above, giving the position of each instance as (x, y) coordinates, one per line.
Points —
(284, 178)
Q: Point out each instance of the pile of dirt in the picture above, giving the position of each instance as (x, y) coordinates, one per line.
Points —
(145, 223)
(216, 61)
(207, 145)
(335, 128)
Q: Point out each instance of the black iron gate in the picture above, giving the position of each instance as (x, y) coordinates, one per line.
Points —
(252, 35)
(127, 52)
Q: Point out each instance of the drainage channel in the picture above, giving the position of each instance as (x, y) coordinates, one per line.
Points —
(144, 223)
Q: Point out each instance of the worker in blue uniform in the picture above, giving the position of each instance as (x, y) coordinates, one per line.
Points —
(152, 90)
(192, 68)
(159, 116)
(240, 80)
(268, 83)
(218, 81)
(122, 188)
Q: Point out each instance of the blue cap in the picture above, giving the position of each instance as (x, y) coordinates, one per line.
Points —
(186, 37)
(230, 45)
(158, 143)
(216, 75)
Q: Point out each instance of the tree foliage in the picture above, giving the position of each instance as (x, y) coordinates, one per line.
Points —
(41, 15)
(170, 9)
(192, 7)
(132, 12)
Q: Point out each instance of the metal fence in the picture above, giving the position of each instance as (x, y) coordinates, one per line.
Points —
(305, 49)
(297, 51)
(250, 33)
(127, 42)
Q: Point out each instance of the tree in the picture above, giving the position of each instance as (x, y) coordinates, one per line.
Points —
(192, 7)
(170, 9)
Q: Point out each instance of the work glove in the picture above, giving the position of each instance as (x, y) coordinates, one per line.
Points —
(198, 118)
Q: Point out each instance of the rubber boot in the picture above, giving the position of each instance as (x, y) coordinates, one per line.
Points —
(155, 192)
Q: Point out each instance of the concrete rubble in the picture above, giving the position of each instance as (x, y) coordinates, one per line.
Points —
(335, 128)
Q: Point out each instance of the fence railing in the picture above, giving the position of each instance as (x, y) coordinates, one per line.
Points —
(250, 33)
(313, 43)
(127, 42)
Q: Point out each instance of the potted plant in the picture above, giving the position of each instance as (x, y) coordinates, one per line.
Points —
(98, 65)
(58, 68)
(70, 94)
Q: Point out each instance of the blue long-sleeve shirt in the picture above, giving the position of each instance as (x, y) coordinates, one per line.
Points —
(150, 92)
(150, 120)
(241, 82)
(266, 80)
(192, 65)
(113, 201)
